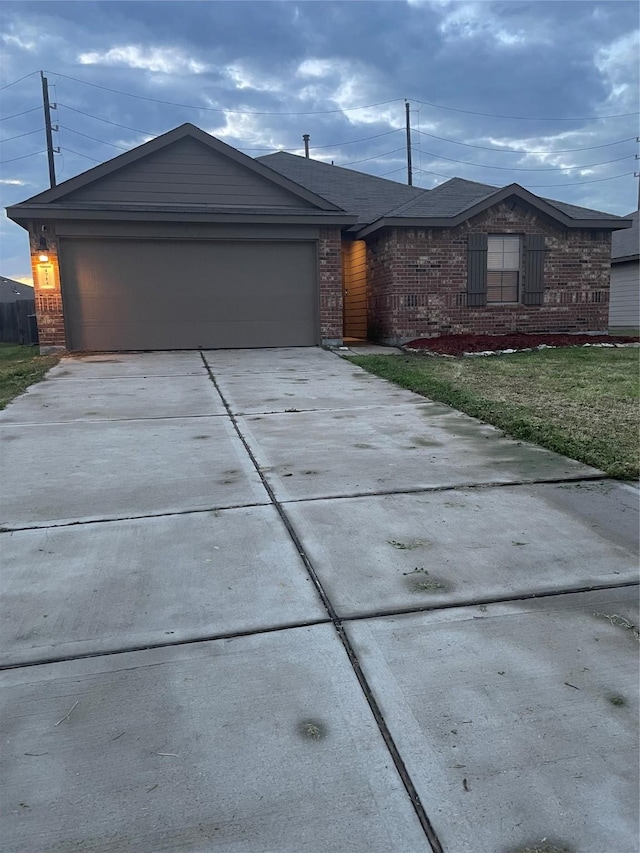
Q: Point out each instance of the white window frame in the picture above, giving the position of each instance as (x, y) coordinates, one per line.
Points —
(505, 256)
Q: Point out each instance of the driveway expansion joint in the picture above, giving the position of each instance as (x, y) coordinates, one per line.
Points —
(10, 424)
(488, 600)
(165, 644)
(398, 761)
(56, 524)
(419, 490)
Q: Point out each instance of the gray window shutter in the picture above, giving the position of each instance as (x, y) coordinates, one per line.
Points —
(477, 270)
(533, 280)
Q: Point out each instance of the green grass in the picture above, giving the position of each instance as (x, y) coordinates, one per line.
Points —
(582, 402)
(21, 366)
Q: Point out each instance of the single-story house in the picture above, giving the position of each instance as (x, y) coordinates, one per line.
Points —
(624, 303)
(185, 242)
(14, 291)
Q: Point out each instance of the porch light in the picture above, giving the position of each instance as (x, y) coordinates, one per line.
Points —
(43, 259)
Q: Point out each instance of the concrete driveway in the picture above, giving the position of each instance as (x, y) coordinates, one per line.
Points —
(263, 601)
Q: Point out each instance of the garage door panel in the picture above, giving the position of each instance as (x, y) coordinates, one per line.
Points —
(122, 294)
(100, 337)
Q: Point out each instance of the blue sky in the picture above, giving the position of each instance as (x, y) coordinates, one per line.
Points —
(500, 92)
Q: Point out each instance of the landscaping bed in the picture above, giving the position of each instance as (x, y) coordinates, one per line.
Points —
(468, 343)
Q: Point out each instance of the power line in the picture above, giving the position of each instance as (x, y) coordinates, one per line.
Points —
(343, 109)
(376, 157)
(19, 80)
(522, 118)
(17, 115)
(94, 138)
(106, 120)
(79, 154)
(222, 109)
(522, 152)
(24, 157)
(20, 135)
(536, 186)
(525, 169)
(149, 133)
(393, 171)
(334, 144)
(579, 183)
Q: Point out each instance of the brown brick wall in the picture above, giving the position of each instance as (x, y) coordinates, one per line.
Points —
(48, 301)
(417, 280)
(330, 281)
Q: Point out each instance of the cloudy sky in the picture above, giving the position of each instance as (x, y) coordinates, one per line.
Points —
(544, 94)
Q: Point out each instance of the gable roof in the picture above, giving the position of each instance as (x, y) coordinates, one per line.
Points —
(57, 195)
(625, 245)
(457, 200)
(379, 202)
(324, 193)
(366, 196)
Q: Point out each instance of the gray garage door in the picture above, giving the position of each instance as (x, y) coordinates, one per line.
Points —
(128, 295)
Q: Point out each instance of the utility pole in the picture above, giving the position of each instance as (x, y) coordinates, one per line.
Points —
(305, 136)
(637, 175)
(409, 168)
(47, 127)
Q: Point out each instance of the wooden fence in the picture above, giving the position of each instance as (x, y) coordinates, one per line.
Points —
(18, 322)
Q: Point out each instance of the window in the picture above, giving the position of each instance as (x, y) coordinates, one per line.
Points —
(503, 268)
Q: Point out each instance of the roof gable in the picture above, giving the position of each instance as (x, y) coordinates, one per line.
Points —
(457, 200)
(184, 166)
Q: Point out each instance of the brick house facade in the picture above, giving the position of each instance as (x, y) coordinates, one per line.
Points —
(289, 251)
(418, 279)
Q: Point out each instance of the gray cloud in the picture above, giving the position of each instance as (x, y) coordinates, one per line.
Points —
(547, 60)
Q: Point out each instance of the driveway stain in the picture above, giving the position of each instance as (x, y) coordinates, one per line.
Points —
(419, 580)
(408, 546)
(425, 442)
(312, 729)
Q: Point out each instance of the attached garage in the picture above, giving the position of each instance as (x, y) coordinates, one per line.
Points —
(156, 295)
(184, 243)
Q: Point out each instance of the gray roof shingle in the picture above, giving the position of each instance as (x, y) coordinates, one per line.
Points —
(366, 196)
(372, 198)
(457, 194)
(446, 199)
(626, 244)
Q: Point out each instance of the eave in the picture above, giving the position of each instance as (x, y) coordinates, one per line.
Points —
(25, 213)
(625, 259)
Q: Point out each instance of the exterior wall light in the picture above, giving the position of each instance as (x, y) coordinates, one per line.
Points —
(43, 259)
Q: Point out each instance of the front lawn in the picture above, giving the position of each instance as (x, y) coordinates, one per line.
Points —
(21, 366)
(582, 402)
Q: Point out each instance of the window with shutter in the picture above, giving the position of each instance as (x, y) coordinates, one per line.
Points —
(534, 252)
(503, 268)
(476, 270)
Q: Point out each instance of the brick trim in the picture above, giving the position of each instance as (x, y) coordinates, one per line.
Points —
(330, 285)
(48, 299)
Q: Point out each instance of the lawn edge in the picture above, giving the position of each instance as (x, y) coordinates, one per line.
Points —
(515, 421)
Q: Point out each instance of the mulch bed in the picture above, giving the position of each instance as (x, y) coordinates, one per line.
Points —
(459, 344)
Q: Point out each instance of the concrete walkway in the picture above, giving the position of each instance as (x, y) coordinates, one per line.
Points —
(263, 601)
